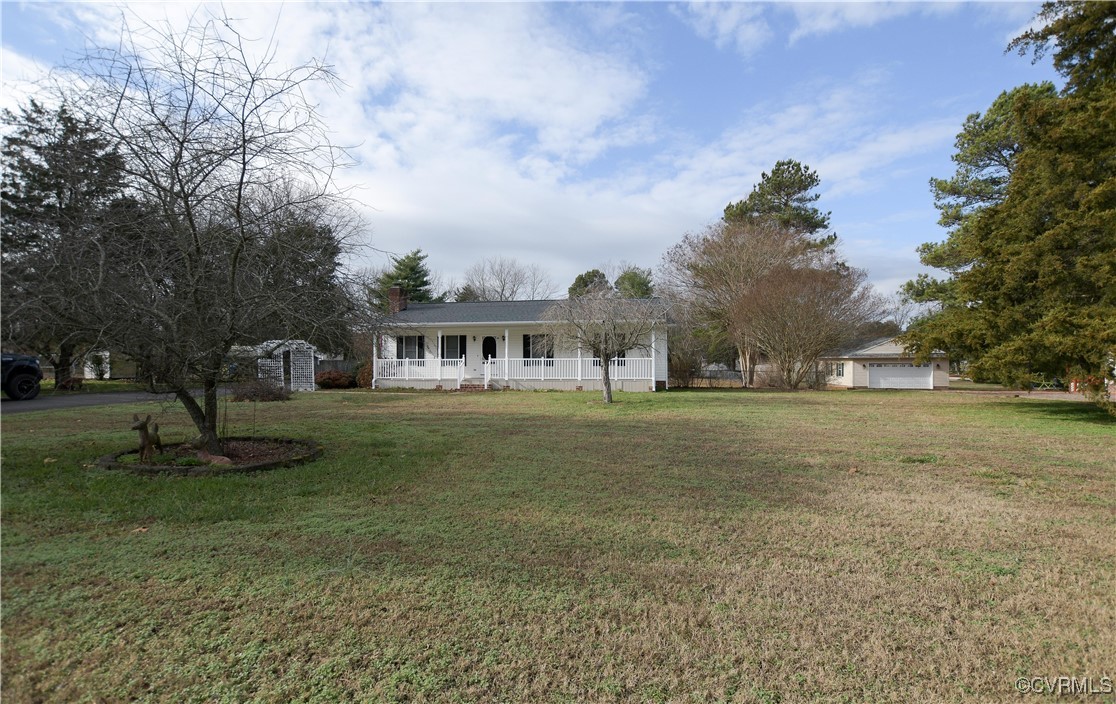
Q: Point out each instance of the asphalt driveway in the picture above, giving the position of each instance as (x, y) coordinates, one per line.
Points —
(51, 402)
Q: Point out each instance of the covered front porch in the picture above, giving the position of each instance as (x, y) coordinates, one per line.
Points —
(629, 374)
(518, 354)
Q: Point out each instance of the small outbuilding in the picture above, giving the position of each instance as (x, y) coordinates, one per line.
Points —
(885, 364)
(288, 363)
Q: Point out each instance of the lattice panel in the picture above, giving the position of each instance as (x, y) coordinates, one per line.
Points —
(270, 369)
(302, 369)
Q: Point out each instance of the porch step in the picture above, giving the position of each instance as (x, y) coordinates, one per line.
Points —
(472, 387)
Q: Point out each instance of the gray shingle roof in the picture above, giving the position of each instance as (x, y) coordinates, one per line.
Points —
(485, 312)
(859, 349)
(865, 350)
(472, 312)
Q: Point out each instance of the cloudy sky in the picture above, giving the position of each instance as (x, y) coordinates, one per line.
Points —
(578, 135)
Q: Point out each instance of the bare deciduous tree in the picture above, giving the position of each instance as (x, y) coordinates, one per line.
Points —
(795, 314)
(902, 310)
(606, 325)
(505, 279)
(720, 267)
(772, 290)
(233, 230)
(686, 354)
(694, 339)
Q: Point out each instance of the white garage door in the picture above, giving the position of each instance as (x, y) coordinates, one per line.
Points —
(900, 376)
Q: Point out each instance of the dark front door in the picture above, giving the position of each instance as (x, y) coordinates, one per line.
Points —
(488, 348)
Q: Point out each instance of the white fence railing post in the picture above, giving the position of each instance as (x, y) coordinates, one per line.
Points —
(528, 369)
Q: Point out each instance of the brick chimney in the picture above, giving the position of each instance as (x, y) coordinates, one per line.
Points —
(397, 299)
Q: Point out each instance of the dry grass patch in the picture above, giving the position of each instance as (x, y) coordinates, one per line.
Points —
(702, 546)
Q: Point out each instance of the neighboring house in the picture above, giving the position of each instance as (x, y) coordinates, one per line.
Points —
(884, 364)
(499, 345)
(95, 365)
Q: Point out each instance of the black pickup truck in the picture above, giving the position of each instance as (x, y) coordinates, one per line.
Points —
(22, 375)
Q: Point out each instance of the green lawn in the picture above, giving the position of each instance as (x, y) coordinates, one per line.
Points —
(970, 385)
(93, 386)
(682, 546)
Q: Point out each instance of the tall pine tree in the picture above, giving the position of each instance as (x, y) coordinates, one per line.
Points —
(1031, 253)
(786, 197)
(60, 176)
(411, 273)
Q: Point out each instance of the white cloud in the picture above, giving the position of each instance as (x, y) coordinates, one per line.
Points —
(739, 26)
(20, 75)
(865, 165)
(511, 69)
(1033, 24)
(873, 244)
(472, 140)
(744, 27)
(824, 123)
(475, 124)
(828, 17)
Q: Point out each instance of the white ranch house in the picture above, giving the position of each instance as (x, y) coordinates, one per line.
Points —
(499, 345)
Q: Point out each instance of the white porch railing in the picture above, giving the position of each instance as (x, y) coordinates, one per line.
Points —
(566, 369)
(561, 369)
(434, 369)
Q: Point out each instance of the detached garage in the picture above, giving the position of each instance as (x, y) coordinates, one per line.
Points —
(897, 375)
(884, 364)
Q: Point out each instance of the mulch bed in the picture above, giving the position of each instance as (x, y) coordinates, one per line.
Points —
(248, 454)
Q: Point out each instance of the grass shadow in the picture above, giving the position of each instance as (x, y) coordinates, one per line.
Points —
(1067, 411)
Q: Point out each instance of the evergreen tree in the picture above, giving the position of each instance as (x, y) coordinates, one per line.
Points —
(635, 282)
(592, 281)
(410, 273)
(1085, 36)
(1031, 255)
(786, 197)
(60, 176)
(987, 148)
(467, 293)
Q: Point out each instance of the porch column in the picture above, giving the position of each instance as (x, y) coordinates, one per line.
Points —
(438, 356)
(579, 362)
(375, 346)
(652, 357)
(507, 358)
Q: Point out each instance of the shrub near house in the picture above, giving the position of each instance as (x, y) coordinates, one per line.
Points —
(334, 379)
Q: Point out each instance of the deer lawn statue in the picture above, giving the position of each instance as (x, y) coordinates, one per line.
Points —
(149, 437)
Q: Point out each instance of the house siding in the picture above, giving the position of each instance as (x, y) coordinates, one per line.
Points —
(628, 385)
(856, 371)
(509, 344)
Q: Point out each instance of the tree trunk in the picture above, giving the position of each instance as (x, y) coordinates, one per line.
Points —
(606, 381)
(747, 366)
(205, 420)
(63, 367)
(211, 411)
